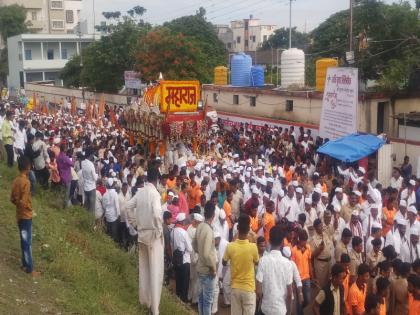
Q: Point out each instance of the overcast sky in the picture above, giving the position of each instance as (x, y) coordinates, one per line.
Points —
(307, 14)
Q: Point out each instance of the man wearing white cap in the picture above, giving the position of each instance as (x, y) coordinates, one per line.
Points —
(322, 204)
(289, 208)
(182, 250)
(340, 199)
(408, 193)
(373, 217)
(193, 286)
(310, 213)
(411, 252)
(111, 206)
(148, 209)
(375, 233)
(402, 210)
(300, 200)
(399, 239)
(412, 222)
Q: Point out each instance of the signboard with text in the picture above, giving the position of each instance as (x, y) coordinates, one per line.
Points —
(180, 96)
(339, 105)
(132, 80)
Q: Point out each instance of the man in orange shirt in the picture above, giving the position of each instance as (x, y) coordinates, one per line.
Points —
(414, 297)
(21, 198)
(302, 256)
(268, 220)
(357, 293)
(194, 193)
(345, 262)
(382, 291)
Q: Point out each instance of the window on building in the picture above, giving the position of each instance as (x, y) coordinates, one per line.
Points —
(246, 43)
(64, 54)
(28, 54)
(235, 99)
(215, 98)
(246, 25)
(34, 16)
(57, 25)
(253, 101)
(289, 106)
(69, 16)
(56, 4)
(265, 38)
(253, 38)
(50, 54)
(229, 45)
(238, 39)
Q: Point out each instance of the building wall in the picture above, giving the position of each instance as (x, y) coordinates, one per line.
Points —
(35, 50)
(14, 61)
(272, 104)
(75, 6)
(254, 29)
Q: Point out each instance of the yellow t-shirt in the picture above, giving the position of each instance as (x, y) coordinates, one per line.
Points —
(243, 256)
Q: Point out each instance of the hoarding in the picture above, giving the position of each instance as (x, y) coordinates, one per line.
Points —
(339, 105)
(180, 96)
(132, 80)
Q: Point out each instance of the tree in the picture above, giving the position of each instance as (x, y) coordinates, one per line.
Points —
(105, 61)
(171, 53)
(280, 39)
(383, 33)
(12, 22)
(71, 73)
(202, 35)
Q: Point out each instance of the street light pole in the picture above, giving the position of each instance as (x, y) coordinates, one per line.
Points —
(290, 24)
(351, 27)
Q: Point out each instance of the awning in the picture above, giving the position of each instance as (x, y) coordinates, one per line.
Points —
(352, 148)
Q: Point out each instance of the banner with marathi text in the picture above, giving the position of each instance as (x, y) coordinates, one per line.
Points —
(339, 105)
(180, 96)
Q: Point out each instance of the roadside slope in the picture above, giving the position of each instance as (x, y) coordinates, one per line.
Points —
(83, 272)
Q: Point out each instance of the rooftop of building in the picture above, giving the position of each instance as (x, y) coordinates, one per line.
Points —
(55, 37)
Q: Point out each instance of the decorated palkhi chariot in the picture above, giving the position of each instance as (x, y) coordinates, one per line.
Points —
(169, 113)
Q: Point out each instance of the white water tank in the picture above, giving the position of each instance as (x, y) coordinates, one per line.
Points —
(292, 68)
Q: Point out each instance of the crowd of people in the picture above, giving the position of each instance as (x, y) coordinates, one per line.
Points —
(255, 220)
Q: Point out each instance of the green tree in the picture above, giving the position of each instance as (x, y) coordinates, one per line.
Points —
(383, 34)
(12, 22)
(202, 35)
(171, 53)
(105, 61)
(280, 39)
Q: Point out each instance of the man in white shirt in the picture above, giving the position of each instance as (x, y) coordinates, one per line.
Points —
(411, 252)
(193, 286)
(123, 197)
(181, 243)
(396, 179)
(20, 138)
(412, 221)
(274, 278)
(89, 182)
(111, 206)
(148, 212)
(288, 205)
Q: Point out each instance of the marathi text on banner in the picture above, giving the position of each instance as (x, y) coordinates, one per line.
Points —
(180, 96)
(339, 104)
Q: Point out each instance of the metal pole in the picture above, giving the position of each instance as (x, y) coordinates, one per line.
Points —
(290, 25)
(405, 135)
(94, 18)
(277, 79)
(351, 27)
(272, 61)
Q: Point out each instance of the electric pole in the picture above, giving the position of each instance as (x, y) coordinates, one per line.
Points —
(290, 24)
(350, 53)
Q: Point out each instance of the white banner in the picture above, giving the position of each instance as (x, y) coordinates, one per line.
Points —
(132, 80)
(339, 105)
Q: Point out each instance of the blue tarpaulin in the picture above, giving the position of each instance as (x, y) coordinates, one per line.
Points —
(352, 148)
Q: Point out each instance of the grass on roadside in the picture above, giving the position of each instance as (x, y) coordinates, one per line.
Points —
(83, 272)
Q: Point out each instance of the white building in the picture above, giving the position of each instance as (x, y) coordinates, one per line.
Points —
(50, 16)
(249, 34)
(40, 57)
